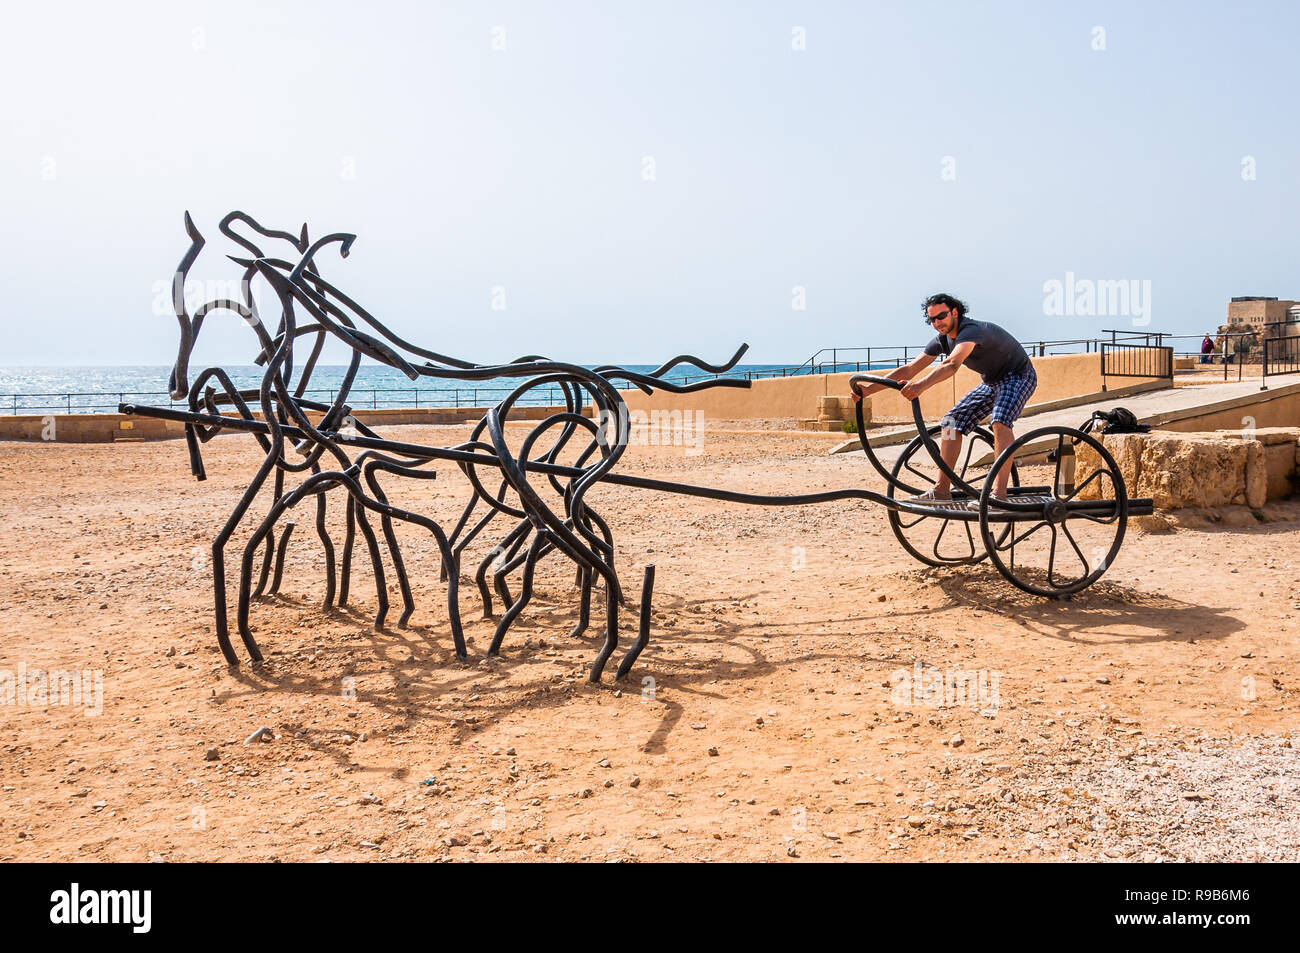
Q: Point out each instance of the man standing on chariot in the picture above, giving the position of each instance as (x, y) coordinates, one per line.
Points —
(1008, 380)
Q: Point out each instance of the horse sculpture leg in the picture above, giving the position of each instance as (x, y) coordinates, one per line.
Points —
(376, 563)
(279, 556)
(584, 603)
(264, 573)
(270, 539)
(611, 633)
(327, 543)
(444, 547)
(349, 538)
(394, 551)
(497, 555)
(643, 636)
(507, 563)
(525, 594)
(219, 566)
(250, 548)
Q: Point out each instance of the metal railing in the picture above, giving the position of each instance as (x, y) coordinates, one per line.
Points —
(1281, 356)
(837, 360)
(879, 358)
(359, 398)
(1136, 360)
(1236, 349)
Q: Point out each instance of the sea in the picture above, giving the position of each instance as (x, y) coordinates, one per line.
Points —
(87, 390)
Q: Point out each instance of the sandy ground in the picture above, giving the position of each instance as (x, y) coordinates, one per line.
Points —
(1148, 718)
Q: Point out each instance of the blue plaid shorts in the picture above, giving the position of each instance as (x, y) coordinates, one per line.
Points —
(1006, 398)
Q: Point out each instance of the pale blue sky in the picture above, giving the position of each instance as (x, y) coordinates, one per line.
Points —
(523, 168)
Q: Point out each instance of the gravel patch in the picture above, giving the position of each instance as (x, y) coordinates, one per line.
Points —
(1168, 800)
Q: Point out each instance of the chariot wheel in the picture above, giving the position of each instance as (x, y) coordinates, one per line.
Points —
(934, 540)
(1062, 539)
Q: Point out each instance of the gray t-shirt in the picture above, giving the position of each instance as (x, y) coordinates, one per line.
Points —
(996, 353)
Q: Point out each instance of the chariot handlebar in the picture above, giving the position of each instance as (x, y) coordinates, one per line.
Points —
(922, 432)
(872, 379)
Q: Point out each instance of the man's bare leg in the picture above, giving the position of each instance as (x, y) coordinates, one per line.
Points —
(949, 449)
(1002, 438)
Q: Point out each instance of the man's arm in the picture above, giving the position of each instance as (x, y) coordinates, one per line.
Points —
(903, 374)
(914, 389)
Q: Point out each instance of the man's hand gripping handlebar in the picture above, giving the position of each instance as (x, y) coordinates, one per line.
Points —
(874, 383)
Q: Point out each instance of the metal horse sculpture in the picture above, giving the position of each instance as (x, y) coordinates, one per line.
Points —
(326, 435)
(577, 532)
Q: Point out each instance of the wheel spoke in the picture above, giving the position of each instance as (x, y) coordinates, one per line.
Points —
(923, 476)
(1077, 551)
(1006, 529)
(938, 538)
(970, 537)
(1023, 536)
(1051, 557)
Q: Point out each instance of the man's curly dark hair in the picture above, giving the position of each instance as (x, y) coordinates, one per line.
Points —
(948, 301)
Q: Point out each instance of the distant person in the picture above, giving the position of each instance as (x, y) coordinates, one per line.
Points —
(1207, 348)
(1008, 381)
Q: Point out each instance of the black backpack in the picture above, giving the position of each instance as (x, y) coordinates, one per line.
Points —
(1116, 420)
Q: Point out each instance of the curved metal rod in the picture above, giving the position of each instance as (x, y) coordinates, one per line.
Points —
(667, 366)
(180, 371)
(371, 461)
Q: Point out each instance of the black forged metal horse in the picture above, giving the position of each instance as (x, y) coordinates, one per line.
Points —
(578, 532)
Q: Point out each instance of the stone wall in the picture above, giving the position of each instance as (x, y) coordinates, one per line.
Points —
(113, 428)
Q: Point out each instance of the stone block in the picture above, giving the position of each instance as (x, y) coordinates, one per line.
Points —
(1256, 477)
(836, 408)
(1270, 436)
(828, 408)
(1175, 470)
(1225, 468)
(822, 426)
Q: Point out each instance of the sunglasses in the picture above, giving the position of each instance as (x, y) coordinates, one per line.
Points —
(938, 317)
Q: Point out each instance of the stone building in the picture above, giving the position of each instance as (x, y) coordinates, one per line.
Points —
(1254, 313)
(1262, 317)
